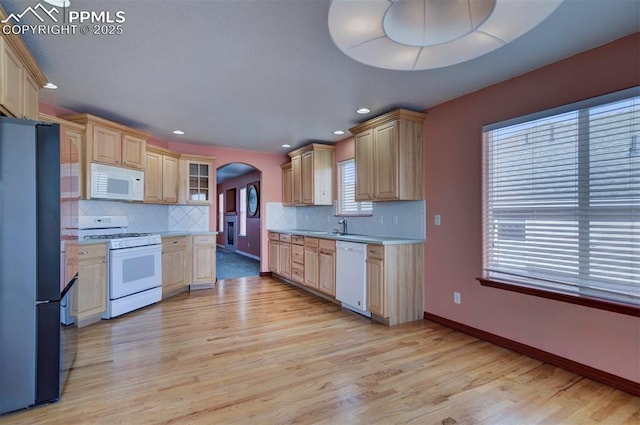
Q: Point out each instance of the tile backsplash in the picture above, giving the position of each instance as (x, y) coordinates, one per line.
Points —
(151, 218)
(403, 219)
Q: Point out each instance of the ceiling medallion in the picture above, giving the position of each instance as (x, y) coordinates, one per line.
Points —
(414, 35)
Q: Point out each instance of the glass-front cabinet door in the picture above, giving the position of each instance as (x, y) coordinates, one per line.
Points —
(199, 180)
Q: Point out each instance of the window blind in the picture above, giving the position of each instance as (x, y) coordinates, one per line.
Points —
(242, 230)
(347, 204)
(562, 200)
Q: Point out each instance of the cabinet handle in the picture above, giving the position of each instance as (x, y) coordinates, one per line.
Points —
(174, 242)
(84, 252)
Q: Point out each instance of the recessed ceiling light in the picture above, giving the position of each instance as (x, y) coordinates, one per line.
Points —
(338, 132)
(59, 3)
(178, 132)
(50, 86)
(363, 110)
(286, 145)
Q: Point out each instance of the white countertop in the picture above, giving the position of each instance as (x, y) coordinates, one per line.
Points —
(382, 240)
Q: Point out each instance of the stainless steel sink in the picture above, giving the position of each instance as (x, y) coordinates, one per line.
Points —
(319, 232)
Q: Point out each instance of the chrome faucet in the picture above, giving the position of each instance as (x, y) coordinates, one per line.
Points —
(343, 221)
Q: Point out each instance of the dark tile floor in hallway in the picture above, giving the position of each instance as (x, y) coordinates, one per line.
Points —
(230, 265)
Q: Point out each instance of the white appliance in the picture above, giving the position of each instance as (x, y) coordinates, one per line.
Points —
(351, 276)
(134, 263)
(109, 182)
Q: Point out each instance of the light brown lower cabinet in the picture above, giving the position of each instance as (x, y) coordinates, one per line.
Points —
(274, 247)
(176, 265)
(297, 259)
(311, 266)
(204, 259)
(89, 301)
(395, 282)
(394, 273)
(327, 267)
(284, 256)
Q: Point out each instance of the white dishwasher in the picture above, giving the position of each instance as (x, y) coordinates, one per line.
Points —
(351, 276)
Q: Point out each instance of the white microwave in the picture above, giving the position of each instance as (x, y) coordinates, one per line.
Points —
(109, 182)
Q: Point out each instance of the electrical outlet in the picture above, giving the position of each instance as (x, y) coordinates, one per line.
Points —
(395, 219)
(456, 297)
(437, 219)
(381, 219)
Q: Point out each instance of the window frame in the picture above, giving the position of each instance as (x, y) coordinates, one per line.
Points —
(365, 208)
(582, 297)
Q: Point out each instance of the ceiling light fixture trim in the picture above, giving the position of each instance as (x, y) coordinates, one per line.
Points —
(50, 86)
(414, 35)
(178, 132)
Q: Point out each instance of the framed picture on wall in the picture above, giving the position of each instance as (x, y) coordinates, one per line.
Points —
(253, 199)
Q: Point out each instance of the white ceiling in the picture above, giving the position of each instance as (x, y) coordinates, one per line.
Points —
(255, 74)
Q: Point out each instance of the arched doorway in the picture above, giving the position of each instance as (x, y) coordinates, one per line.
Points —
(238, 190)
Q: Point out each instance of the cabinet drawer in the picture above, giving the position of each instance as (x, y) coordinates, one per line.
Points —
(92, 251)
(285, 238)
(174, 241)
(311, 242)
(204, 239)
(297, 239)
(375, 251)
(274, 236)
(297, 273)
(327, 244)
(297, 254)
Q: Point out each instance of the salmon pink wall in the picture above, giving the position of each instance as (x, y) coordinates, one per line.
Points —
(453, 256)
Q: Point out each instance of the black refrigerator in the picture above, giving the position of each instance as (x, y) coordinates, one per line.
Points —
(36, 349)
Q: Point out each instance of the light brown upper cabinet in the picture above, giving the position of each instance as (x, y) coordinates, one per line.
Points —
(161, 176)
(287, 182)
(72, 174)
(389, 157)
(110, 143)
(312, 175)
(196, 180)
(20, 76)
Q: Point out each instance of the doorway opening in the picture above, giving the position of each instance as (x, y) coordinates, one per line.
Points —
(238, 219)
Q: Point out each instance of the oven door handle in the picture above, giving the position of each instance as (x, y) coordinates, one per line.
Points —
(134, 251)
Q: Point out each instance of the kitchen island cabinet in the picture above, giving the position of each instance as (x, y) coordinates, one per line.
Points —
(90, 299)
(389, 157)
(176, 265)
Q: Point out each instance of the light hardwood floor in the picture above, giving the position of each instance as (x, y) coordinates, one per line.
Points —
(258, 351)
